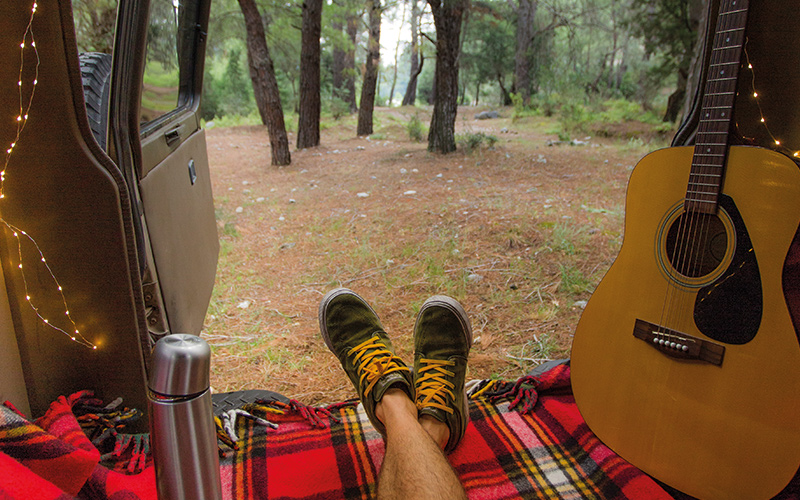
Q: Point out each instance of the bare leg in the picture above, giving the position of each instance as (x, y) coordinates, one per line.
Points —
(414, 465)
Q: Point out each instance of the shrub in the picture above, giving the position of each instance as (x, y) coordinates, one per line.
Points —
(469, 142)
(416, 130)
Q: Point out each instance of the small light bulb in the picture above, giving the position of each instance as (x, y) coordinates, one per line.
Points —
(27, 297)
(19, 83)
(22, 45)
(45, 320)
(66, 312)
(94, 347)
(20, 266)
(73, 338)
(749, 66)
(755, 94)
(762, 120)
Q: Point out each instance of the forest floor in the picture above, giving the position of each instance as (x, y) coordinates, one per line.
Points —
(519, 233)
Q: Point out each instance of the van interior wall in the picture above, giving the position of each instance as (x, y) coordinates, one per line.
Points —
(12, 383)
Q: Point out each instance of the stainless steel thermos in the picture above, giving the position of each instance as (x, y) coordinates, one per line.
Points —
(182, 431)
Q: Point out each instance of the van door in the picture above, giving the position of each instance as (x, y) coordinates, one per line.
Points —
(157, 139)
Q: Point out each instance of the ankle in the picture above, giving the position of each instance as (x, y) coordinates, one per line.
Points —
(436, 429)
(395, 402)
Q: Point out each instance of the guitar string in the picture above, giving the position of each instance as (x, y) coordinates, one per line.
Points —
(732, 26)
(691, 240)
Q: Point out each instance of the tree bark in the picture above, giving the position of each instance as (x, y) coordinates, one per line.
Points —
(369, 86)
(447, 15)
(410, 97)
(339, 64)
(526, 13)
(265, 86)
(350, 64)
(308, 119)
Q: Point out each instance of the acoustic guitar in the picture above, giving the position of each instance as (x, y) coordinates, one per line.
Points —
(685, 361)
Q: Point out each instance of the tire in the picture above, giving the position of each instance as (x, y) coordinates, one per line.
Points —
(96, 77)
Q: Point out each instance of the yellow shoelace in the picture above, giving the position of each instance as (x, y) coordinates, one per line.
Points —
(373, 360)
(432, 386)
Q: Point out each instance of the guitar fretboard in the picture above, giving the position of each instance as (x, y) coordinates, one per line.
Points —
(711, 144)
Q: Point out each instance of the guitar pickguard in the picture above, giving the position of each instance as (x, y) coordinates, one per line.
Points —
(729, 310)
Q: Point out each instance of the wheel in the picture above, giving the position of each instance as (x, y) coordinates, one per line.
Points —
(96, 73)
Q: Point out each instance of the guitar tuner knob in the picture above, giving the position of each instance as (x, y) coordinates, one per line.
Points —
(672, 345)
(685, 348)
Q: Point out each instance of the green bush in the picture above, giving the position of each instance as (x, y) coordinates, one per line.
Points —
(416, 130)
(469, 142)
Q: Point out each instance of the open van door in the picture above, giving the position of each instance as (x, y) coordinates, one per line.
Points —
(108, 238)
(156, 137)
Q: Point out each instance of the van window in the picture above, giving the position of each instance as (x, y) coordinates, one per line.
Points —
(162, 78)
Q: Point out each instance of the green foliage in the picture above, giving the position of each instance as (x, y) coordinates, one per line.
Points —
(520, 109)
(416, 130)
(337, 107)
(470, 142)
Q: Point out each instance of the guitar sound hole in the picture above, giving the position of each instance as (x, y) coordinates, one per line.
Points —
(696, 244)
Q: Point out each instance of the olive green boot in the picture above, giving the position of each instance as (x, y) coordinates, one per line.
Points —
(442, 339)
(353, 332)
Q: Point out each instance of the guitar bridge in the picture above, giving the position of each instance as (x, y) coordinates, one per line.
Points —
(678, 345)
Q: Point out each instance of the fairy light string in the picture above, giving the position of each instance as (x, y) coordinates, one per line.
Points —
(27, 90)
(756, 97)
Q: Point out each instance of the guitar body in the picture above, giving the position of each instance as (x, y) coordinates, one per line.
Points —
(727, 426)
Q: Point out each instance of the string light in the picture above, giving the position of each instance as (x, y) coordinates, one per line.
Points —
(28, 43)
(756, 95)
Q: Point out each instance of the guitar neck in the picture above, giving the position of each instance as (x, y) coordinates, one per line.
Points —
(716, 118)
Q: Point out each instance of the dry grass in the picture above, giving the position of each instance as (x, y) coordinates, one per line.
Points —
(519, 234)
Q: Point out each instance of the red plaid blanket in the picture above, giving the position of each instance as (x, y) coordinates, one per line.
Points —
(514, 447)
(506, 452)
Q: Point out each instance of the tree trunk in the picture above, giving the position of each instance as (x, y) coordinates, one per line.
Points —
(447, 15)
(339, 63)
(396, 55)
(410, 97)
(369, 86)
(506, 95)
(526, 13)
(308, 120)
(350, 64)
(265, 86)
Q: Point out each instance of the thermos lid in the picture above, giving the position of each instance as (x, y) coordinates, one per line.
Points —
(180, 365)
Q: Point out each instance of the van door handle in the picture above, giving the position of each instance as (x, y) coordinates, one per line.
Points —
(173, 136)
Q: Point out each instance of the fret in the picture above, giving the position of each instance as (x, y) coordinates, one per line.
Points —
(732, 12)
(728, 48)
(698, 194)
(719, 32)
(704, 174)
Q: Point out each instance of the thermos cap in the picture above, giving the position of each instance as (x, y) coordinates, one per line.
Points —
(180, 365)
